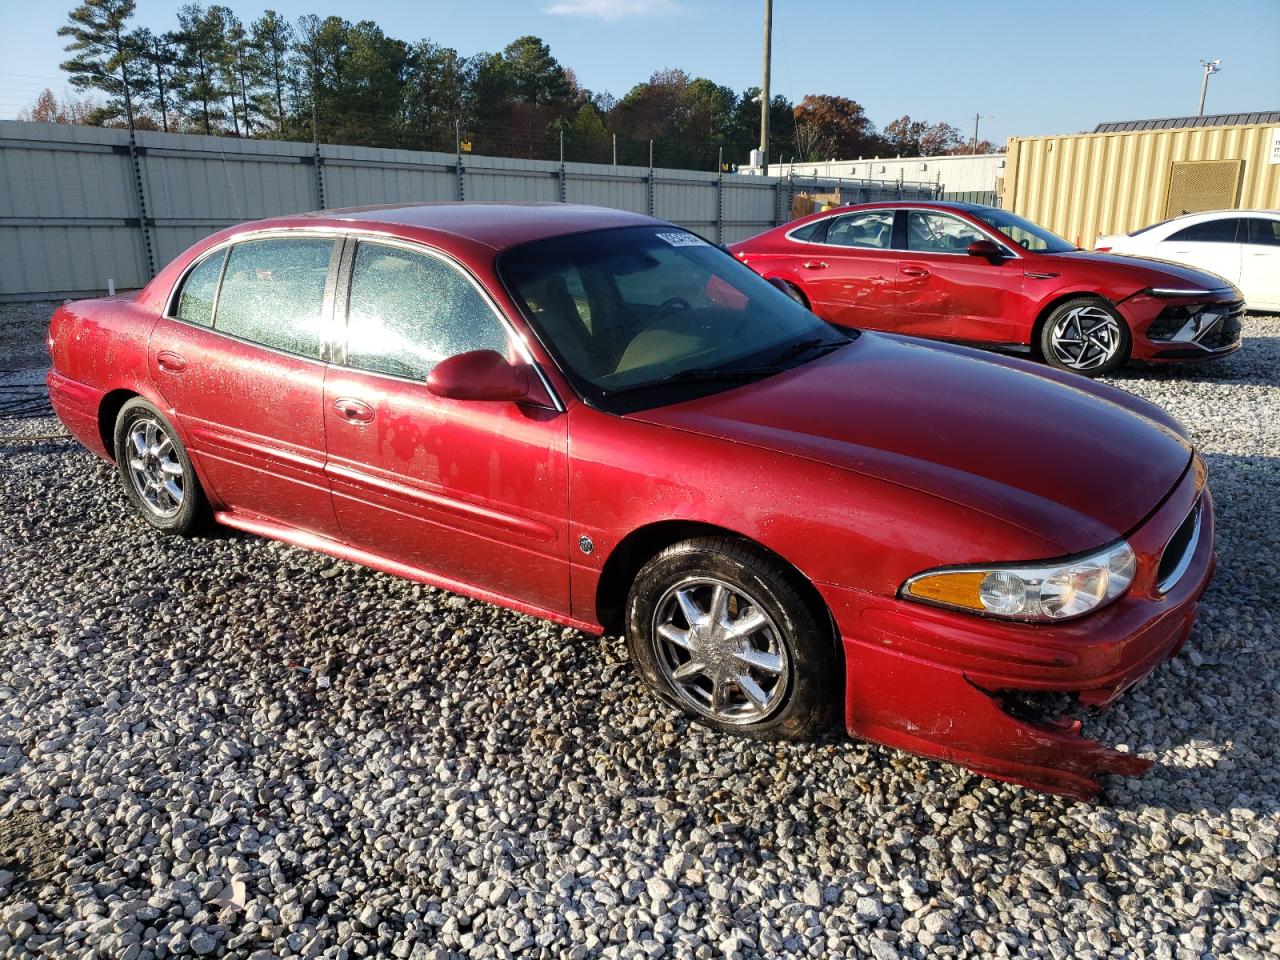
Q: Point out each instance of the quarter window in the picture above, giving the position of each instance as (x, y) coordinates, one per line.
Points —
(1264, 232)
(195, 304)
(1210, 231)
(273, 294)
(810, 232)
(872, 229)
(408, 311)
(930, 232)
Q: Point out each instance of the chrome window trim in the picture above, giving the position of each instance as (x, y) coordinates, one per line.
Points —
(980, 227)
(341, 297)
(1184, 562)
(844, 213)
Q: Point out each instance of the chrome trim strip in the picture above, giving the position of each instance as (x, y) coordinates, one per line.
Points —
(356, 234)
(1171, 581)
(1174, 292)
(842, 211)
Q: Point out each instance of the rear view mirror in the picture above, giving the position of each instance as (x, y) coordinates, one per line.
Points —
(478, 375)
(986, 248)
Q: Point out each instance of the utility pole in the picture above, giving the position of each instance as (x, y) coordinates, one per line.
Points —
(764, 90)
(976, 118)
(1210, 67)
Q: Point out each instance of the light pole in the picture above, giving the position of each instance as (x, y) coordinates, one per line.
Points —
(764, 90)
(1210, 67)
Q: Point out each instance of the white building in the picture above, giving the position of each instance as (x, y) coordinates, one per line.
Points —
(964, 174)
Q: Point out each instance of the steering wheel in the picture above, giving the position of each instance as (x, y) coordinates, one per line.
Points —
(670, 305)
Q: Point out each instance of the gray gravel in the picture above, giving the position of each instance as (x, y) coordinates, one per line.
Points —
(229, 747)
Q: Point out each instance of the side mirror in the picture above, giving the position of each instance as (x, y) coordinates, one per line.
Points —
(478, 375)
(986, 248)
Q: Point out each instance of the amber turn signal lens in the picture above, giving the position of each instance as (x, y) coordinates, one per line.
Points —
(953, 589)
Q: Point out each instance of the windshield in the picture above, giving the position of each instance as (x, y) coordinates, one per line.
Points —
(1027, 235)
(641, 316)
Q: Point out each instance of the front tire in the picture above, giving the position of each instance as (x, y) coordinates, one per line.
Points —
(1087, 336)
(719, 631)
(155, 470)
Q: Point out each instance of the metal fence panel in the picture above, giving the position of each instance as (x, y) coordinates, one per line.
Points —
(71, 208)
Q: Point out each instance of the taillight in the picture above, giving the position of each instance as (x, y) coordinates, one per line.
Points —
(1101, 249)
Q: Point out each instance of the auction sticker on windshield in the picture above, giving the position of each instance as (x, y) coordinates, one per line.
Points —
(682, 239)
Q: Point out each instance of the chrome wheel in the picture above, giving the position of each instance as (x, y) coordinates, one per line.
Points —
(154, 467)
(1085, 338)
(720, 651)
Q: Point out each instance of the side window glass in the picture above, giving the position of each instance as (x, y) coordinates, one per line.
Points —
(872, 229)
(810, 232)
(408, 311)
(931, 232)
(195, 303)
(1264, 232)
(273, 294)
(1211, 231)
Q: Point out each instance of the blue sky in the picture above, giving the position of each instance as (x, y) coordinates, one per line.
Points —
(1033, 67)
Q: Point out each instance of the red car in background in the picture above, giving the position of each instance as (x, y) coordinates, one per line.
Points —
(598, 418)
(986, 277)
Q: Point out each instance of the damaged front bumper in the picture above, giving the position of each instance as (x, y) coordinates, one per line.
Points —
(997, 696)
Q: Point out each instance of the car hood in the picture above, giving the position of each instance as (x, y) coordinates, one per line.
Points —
(1072, 462)
(1148, 272)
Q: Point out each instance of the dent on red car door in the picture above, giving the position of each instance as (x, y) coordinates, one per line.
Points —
(472, 491)
(247, 382)
(850, 277)
(946, 293)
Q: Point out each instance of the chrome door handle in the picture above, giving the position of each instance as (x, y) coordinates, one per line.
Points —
(170, 361)
(353, 411)
(814, 265)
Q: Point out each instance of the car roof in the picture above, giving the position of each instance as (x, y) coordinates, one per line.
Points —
(497, 225)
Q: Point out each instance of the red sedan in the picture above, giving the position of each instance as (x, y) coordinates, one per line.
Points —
(598, 418)
(983, 276)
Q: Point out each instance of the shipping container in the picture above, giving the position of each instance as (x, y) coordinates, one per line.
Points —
(1090, 184)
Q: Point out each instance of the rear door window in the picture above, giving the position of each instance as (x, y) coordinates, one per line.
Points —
(871, 229)
(1225, 230)
(273, 293)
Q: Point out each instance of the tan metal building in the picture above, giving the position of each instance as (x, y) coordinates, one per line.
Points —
(1088, 184)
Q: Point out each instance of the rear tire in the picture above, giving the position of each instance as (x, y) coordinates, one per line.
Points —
(1087, 336)
(155, 470)
(719, 631)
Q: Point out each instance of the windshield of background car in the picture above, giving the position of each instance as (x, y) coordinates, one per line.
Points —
(654, 312)
(1028, 235)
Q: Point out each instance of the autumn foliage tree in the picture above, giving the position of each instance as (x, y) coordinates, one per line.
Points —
(830, 127)
(346, 82)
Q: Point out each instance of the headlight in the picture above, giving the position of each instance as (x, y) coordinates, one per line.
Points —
(1052, 591)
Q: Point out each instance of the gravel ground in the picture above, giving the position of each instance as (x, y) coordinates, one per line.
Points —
(201, 752)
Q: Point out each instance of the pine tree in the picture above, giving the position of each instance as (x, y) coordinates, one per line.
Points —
(200, 39)
(105, 52)
(271, 38)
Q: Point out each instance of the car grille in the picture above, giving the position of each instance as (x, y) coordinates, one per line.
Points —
(1224, 333)
(1179, 551)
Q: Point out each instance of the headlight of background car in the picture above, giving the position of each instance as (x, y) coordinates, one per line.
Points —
(1052, 591)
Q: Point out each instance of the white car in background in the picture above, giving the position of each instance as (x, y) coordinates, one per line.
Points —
(1242, 246)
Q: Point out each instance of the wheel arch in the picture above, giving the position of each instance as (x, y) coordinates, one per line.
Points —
(640, 545)
(1055, 301)
(108, 410)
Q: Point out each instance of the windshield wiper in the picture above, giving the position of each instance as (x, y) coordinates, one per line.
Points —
(699, 375)
(804, 346)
